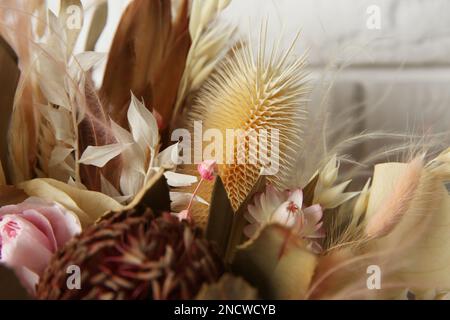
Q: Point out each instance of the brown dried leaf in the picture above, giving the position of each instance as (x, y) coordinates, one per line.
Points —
(11, 195)
(9, 77)
(94, 130)
(155, 194)
(147, 56)
(11, 288)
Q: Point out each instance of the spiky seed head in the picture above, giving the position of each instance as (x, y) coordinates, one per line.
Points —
(253, 93)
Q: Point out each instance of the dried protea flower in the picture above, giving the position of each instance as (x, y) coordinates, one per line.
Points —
(132, 255)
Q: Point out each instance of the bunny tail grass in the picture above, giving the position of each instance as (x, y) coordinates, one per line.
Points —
(398, 203)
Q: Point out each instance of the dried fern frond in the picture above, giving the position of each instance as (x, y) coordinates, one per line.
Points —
(256, 92)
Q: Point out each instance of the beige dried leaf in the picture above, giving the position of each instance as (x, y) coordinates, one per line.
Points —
(327, 193)
(228, 287)
(205, 52)
(101, 155)
(87, 205)
(98, 23)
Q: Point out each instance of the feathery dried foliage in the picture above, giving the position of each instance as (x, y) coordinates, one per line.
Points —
(73, 118)
(132, 255)
(253, 92)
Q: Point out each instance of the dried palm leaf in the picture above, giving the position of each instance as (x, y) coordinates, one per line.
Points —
(17, 19)
(98, 23)
(147, 56)
(9, 77)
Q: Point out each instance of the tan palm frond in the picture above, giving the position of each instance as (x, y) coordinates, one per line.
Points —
(147, 57)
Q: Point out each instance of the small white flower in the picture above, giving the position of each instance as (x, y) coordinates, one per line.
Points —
(286, 208)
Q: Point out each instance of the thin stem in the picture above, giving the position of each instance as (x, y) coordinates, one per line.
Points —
(76, 146)
(193, 197)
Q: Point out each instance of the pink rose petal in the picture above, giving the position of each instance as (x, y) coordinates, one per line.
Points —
(26, 247)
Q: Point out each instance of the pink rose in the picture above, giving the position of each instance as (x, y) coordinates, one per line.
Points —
(30, 233)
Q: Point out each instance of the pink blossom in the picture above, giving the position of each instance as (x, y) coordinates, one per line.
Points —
(30, 233)
(207, 169)
(183, 215)
(286, 208)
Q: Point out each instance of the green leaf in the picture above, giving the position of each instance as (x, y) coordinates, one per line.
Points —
(225, 227)
(308, 191)
(277, 263)
(155, 194)
(220, 219)
(228, 287)
(237, 236)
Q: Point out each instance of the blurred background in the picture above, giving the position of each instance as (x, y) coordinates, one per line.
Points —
(392, 56)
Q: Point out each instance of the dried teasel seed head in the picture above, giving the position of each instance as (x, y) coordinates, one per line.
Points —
(255, 93)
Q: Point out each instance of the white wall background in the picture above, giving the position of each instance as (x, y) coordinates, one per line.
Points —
(403, 68)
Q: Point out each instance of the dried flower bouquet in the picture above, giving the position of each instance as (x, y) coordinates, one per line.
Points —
(106, 192)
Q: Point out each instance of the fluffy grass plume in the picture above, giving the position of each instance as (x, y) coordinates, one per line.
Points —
(398, 203)
(256, 91)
